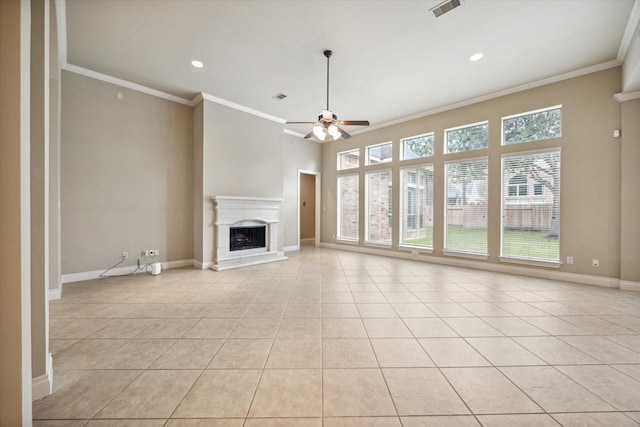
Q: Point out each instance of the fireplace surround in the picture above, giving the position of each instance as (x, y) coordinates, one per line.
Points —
(235, 219)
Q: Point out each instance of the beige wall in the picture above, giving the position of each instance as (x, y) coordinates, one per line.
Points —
(590, 179)
(242, 156)
(15, 304)
(55, 276)
(139, 173)
(299, 154)
(39, 186)
(198, 181)
(630, 195)
(126, 175)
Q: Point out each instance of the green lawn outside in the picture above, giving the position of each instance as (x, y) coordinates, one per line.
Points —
(524, 244)
(426, 240)
(530, 244)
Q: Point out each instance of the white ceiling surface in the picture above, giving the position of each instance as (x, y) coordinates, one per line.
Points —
(392, 59)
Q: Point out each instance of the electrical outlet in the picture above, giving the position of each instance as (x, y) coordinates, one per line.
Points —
(152, 252)
(157, 252)
(125, 255)
(569, 260)
(145, 252)
(595, 262)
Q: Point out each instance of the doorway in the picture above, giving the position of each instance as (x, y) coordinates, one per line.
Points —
(308, 208)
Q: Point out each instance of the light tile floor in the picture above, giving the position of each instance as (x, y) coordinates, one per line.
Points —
(333, 338)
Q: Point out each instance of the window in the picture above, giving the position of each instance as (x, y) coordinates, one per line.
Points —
(467, 138)
(381, 153)
(348, 197)
(378, 215)
(466, 207)
(518, 186)
(348, 159)
(532, 126)
(417, 147)
(416, 206)
(531, 224)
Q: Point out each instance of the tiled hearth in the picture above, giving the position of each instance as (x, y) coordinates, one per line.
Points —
(245, 212)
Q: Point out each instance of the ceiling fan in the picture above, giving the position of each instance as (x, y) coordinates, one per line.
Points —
(327, 123)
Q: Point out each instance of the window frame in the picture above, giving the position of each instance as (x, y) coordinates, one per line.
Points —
(470, 125)
(367, 239)
(402, 213)
(529, 113)
(403, 140)
(339, 237)
(445, 225)
(538, 262)
(339, 158)
(367, 156)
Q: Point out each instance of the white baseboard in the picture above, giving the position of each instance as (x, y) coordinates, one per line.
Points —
(540, 273)
(91, 275)
(42, 386)
(201, 265)
(628, 285)
(55, 293)
(178, 264)
(291, 248)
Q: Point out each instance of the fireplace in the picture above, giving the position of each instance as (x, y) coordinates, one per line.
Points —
(244, 238)
(246, 231)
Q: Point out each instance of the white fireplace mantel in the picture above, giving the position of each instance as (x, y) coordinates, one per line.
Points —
(234, 211)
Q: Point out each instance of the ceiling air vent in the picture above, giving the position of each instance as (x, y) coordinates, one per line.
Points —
(279, 96)
(445, 7)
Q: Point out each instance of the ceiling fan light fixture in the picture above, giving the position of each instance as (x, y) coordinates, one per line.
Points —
(318, 131)
(334, 132)
(328, 122)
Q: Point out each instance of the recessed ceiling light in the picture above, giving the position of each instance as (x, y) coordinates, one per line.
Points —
(476, 56)
(197, 63)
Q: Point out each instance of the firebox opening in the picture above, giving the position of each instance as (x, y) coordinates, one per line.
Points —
(242, 238)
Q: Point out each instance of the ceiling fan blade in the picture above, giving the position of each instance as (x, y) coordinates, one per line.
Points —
(355, 122)
(309, 135)
(299, 123)
(344, 134)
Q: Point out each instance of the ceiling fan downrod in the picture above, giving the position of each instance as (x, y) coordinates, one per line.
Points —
(328, 54)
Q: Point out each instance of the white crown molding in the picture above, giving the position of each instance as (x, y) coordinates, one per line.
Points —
(626, 96)
(629, 31)
(292, 133)
(124, 83)
(487, 97)
(215, 99)
(153, 92)
(61, 23)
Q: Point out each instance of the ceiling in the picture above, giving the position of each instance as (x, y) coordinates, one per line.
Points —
(392, 60)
